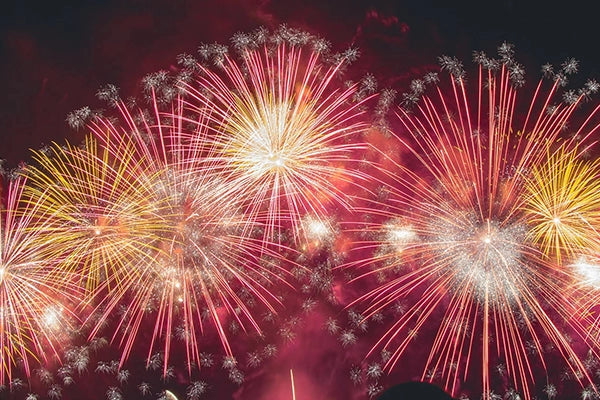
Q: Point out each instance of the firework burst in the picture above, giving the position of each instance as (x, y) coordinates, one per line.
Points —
(563, 205)
(34, 303)
(98, 206)
(455, 236)
(284, 132)
(207, 267)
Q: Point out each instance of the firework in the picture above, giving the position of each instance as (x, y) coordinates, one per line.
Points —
(99, 208)
(207, 265)
(454, 234)
(284, 131)
(563, 205)
(34, 303)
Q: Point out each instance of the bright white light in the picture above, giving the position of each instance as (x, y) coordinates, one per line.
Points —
(588, 271)
(275, 159)
(487, 256)
(51, 318)
(399, 235)
(317, 228)
(317, 232)
(402, 234)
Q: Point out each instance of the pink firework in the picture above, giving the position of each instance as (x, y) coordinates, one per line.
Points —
(283, 129)
(209, 266)
(35, 301)
(452, 236)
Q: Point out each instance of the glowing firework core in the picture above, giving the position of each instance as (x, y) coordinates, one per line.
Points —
(589, 272)
(556, 220)
(267, 141)
(276, 160)
(318, 228)
(487, 255)
(51, 318)
(272, 137)
(398, 235)
(563, 204)
(402, 234)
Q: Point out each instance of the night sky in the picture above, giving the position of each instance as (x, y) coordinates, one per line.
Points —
(55, 55)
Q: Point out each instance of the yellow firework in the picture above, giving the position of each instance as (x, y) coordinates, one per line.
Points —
(281, 131)
(98, 203)
(34, 302)
(563, 204)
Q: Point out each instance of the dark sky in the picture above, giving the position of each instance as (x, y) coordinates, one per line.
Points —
(55, 55)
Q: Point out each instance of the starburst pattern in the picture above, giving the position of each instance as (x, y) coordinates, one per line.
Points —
(206, 264)
(35, 304)
(283, 131)
(98, 207)
(563, 205)
(454, 237)
(186, 217)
